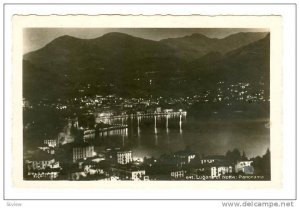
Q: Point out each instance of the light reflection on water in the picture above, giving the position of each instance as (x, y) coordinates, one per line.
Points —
(156, 135)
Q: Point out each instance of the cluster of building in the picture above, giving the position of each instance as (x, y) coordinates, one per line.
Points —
(110, 164)
(227, 93)
(80, 160)
(186, 165)
(42, 165)
(232, 93)
(75, 156)
(213, 167)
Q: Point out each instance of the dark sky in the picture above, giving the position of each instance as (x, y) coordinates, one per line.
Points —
(35, 38)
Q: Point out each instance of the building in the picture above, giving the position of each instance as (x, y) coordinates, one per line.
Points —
(42, 160)
(124, 157)
(244, 167)
(50, 142)
(137, 175)
(88, 134)
(82, 150)
(210, 159)
(92, 167)
(46, 174)
(89, 167)
(127, 105)
(103, 117)
(220, 168)
(178, 174)
(168, 110)
(42, 166)
(129, 173)
(50, 150)
(158, 110)
(184, 157)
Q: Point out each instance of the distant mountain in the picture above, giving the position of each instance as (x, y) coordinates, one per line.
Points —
(110, 49)
(253, 58)
(197, 45)
(250, 63)
(131, 66)
(70, 62)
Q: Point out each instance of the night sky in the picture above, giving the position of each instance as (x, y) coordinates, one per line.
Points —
(36, 38)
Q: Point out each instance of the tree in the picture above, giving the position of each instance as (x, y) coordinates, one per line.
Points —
(262, 165)
(244, 157)
(233, 156)
(267, 164)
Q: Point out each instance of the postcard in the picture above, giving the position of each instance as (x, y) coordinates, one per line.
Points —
(145, 101)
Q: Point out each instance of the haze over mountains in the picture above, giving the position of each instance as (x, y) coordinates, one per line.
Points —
(129, 66)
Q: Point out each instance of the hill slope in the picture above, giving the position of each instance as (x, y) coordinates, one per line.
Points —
(197, 45)
(130, 66)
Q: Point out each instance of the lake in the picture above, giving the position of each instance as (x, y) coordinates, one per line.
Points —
(155, 135)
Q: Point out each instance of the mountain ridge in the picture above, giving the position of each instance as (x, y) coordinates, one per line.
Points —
(204, 45)
(124, 65)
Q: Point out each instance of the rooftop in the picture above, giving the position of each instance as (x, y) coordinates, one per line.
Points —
(40, 155)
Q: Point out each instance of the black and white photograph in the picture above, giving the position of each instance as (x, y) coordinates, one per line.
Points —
(146, 104)
(149, 105)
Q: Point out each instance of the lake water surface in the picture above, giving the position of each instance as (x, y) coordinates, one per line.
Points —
(155, 135)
